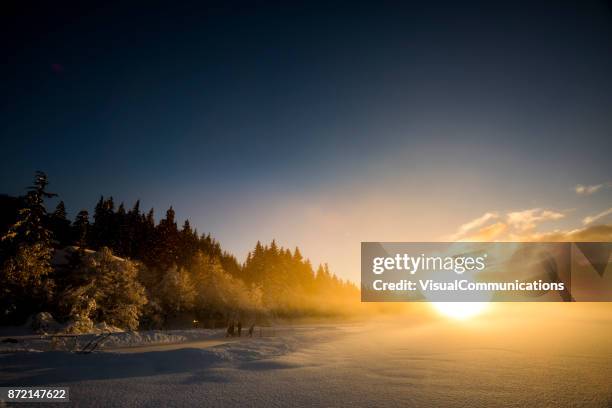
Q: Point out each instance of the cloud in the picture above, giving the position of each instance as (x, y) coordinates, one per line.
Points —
(582, 189)
(528, 219)
(594, 233)
(499, 232)
(515, 226)
(473, 224)
(592, 218)
(490, 232)
(519, 226)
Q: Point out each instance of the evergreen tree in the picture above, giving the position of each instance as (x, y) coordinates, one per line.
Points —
(25, 276)
(121, 233)
(175, 292)
(166, 249)
(26, 285)
(60, 211)
(188, 244)
(133, 237)
(147, 247)
(220, 294)
(80, 229)
(31, 225)
(60, 225)
(103, 233)
(109, 292)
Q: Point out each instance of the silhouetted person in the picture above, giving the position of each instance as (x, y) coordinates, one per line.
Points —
(230, 330)
(251, 329)
(239, 329)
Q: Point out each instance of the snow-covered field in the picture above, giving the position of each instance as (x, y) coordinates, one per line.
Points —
(36, 342)
(517, 356)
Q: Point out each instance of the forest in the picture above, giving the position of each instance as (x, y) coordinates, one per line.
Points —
(120, 267)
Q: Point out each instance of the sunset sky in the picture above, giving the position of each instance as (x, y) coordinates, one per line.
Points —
(321, 126)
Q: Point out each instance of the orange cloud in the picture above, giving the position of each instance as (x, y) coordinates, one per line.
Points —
(595, 233)
(519, 226)
(516, 223)
(528, 219)
(471, 225)
(593, 218)
(490, 232)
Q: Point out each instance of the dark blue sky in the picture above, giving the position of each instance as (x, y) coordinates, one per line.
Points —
(267, 111)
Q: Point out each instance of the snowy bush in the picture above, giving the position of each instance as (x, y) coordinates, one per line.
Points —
(80, 324)
(110, 293)
(43, 322)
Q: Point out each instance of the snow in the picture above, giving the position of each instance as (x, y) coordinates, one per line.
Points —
(61, 257)
(118, 339)
(516, 356)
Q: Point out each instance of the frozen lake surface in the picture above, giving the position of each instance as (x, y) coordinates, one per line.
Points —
(516, 356)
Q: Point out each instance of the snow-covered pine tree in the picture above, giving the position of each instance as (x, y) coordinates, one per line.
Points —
(25, 278)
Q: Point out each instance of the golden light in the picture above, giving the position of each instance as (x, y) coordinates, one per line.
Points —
(460, 310)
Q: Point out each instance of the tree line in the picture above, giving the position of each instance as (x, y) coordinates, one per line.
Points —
(120, 267)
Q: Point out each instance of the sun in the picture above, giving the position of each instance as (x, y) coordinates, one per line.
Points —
(460, 310)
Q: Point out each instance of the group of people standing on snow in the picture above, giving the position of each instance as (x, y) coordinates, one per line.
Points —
(235, 329)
